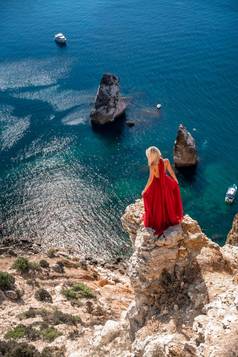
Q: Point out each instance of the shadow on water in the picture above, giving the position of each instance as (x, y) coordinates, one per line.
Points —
(188, 174)
(110, 131)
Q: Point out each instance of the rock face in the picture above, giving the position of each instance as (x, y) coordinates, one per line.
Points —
(185, 152)
(232, 237)
(186, 294)
(109, 105)
(184, 301)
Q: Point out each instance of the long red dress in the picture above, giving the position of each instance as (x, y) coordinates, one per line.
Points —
(162, 202)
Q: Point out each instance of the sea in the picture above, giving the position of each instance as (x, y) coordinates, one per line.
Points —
(64, 183)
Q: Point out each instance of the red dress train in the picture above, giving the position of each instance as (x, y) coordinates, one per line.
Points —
(162, 202)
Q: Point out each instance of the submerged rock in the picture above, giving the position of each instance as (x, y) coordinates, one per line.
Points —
(109, 104)
(232, 237)
(185, 152)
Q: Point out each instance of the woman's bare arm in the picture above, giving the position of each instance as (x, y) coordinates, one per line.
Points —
(168, 167)
(150, 179)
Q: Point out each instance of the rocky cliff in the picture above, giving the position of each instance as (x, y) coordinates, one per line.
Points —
(185, 291)
(232, 237)
(178, 298)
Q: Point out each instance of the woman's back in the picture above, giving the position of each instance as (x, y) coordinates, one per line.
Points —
(162, 201)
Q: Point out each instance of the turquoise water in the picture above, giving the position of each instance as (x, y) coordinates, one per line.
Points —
(63, 182)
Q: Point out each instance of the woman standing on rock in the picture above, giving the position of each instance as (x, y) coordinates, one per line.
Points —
(161, 195)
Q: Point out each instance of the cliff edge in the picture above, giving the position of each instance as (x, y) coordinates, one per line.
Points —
(177, 296)
(185, 291)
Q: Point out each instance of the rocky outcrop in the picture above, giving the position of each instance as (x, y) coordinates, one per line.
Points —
(185, 152)
(109, 105)
(41, 309)
(232, 237)
(179, 298)
(186, 292)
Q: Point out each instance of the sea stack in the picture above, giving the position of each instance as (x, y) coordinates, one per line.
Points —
(185, 152)
(109, 104)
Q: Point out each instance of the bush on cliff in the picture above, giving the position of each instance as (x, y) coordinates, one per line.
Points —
(49, 333)
(7, 281)
(76, 291)
(54, 317)
(15, 349)
(22, 265)
(21, 331)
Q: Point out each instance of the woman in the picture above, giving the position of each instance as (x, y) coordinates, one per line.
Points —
(161, 195)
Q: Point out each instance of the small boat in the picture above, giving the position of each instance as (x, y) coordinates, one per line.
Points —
(60, 38)
(158, 106)
(231, 194)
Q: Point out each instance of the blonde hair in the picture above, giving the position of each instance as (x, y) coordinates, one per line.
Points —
(153, 155)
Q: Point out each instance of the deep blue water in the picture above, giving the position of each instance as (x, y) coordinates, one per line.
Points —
(61, 181)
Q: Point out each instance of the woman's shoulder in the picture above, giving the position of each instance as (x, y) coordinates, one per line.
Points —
(165, 161)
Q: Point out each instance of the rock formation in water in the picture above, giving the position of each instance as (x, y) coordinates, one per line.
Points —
(178, 298)
(232, 237)
(109, 104)
(185, 152)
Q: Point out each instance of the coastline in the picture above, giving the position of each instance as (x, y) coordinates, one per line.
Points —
(167, 299)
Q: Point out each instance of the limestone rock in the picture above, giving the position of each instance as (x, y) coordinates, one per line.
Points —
(109, 105)
(13, 295)
(185, 291)
(110, 330)
(232, 237)
(185, 152)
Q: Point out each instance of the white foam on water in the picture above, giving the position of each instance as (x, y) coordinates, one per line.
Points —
(30, 72)
(58, 98)
(75, 118)
(12, 127)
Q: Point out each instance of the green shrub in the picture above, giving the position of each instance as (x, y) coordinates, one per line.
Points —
(17, 332)
(59, 317)
(34, 266)
(49, 334)
(54, 317)
(7, 281)
(76, 291)
(22, 265)
(21, 331)
(69, 293)
(84, 290)
(32, 312)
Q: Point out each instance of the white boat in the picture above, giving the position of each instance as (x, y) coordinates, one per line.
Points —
(231, 194)
(60, 38)
(158, 106)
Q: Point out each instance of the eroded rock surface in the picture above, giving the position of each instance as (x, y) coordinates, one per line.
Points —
(109, 104)
(180, 299)
(186, 292)
(232, 237)
(185, 152)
